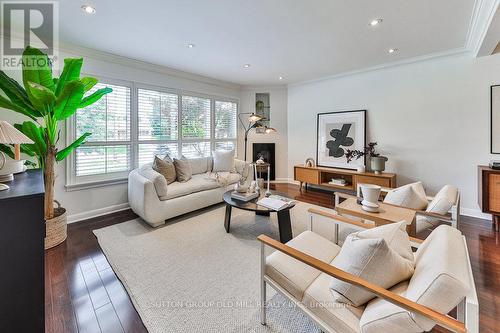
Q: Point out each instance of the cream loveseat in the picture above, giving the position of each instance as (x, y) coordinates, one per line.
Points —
(442, 279)
(151, 198)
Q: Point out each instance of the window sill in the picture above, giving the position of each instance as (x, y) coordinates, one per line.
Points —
(87, 185)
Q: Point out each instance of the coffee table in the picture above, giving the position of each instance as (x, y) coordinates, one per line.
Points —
(284, 223)
(386, 214)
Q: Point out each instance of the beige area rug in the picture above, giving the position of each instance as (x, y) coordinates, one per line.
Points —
(192, 276)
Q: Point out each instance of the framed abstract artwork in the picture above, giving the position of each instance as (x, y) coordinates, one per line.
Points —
(337, 132)
(495, 120)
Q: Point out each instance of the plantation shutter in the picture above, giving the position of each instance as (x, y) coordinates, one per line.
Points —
(107, 150)
(158, 113)
(196, 121)
(225, 120)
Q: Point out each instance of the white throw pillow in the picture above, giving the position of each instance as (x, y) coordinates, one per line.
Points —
(444, 200)
(223, 161)
(410, 196)
(373, 259)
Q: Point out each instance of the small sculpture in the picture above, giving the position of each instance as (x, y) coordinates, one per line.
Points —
(310, 163)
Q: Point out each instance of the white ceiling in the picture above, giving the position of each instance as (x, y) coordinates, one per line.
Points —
(297, 39)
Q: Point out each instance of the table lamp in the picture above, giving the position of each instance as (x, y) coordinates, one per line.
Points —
(10, 135)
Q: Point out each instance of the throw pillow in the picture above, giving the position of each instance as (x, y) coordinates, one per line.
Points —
(410, 196)
(166, 168)
(183, 169)
(223, 161)
(372, 259)
(444, 200)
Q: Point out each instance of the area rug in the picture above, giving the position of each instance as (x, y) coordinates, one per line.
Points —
(192, 276)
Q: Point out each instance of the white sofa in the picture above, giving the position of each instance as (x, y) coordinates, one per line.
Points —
(151, 198)
(301, 271)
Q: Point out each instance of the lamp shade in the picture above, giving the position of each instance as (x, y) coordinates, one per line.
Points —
(270, 130)
(254, 118)
(10, 135)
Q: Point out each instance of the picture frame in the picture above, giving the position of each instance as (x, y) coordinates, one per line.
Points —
(335, 133)
(495, 119)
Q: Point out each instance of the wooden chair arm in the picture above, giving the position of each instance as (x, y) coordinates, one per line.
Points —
(346, 220)
(434, 215)
(441, 319)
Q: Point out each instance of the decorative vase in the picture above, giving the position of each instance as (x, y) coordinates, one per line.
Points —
(370, 192)
(377, 164)
(56, 227)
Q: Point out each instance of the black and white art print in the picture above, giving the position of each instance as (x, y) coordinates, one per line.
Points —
(337, 132)
(495, 120)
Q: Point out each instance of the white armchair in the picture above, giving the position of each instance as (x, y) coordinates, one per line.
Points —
(429, 218)
(300, 270)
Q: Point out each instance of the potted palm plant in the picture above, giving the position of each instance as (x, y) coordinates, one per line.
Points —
(47, 101)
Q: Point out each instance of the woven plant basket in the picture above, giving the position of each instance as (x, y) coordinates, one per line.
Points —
(56, 228)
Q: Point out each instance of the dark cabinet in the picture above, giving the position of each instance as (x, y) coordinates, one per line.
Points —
(22, 233)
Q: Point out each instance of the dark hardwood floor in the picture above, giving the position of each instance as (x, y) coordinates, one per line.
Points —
(83, 294)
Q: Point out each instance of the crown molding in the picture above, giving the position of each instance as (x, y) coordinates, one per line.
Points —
(263, 87)
(143, 65)
(448, 53)
(138, 64)
(482, 23)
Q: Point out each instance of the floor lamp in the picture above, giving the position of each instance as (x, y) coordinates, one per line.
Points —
(253, 122)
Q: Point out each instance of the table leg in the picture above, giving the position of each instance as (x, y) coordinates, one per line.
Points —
(496, 222)
(411, 229)
(227, 218)
(285, 225)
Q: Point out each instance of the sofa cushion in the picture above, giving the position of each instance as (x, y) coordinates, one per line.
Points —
(223, 161)
(159, 182)
(183, 169)
(197, 183)
(411, 196)
(443, 201)
(166, 168)
(440, 282)
(293, 275)
(200, 165)
(383, 316)
(441, 279)
(342, 317)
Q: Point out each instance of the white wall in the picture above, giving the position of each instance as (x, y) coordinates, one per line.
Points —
(430, 118)
(278, 99)
(89, 202)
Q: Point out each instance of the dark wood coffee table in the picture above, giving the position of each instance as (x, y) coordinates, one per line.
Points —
(284, 223)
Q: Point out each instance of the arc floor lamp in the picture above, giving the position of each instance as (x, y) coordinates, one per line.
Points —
(253, 122)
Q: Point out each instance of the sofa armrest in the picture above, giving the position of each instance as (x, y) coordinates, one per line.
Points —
(441, 319)
(143, 199)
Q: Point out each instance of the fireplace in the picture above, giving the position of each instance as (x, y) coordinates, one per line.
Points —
(267, 151)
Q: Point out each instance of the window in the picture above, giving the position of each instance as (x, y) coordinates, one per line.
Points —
(166, 122)
(108, 149)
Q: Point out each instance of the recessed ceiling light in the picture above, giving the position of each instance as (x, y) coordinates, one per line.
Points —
(190, 46)
(88, 9)
(280, 78)
(376, 22)
(392, 51)
(246, 66)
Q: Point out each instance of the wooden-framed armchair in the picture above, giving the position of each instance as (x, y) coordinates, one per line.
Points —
(427, 219)
(300, 270)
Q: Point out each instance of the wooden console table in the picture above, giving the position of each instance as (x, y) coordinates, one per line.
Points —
(489, 192)
(321, 176)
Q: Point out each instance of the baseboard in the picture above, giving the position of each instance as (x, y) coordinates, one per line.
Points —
(282, 181)
(97, 212)
(474, 213)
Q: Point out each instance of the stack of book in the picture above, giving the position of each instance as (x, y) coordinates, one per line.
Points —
(276, 202)
(244, 196)
(338, 182)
